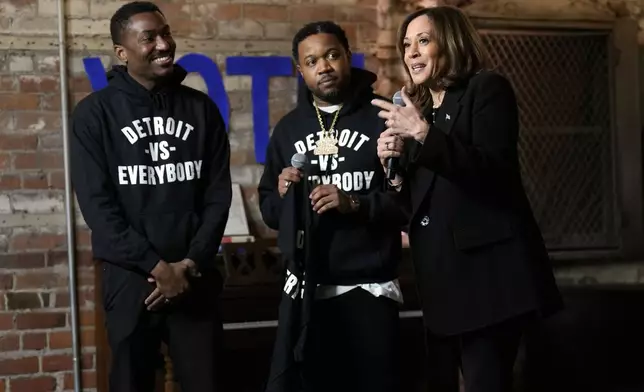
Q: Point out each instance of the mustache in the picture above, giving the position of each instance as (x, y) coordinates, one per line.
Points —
(327, 78)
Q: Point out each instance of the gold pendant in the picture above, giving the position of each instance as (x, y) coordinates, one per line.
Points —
(327, 145)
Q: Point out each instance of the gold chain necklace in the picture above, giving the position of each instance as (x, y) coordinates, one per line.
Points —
(328, 143)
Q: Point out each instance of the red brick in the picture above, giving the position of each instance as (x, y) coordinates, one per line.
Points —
(48, 121)
(50, 101)
(59, 363)
(35, 181)
(226, 11)
(50, 141)
(34, 341)
(87, 361)
(3, 385)
(88, 337)
(6, 321)
(9, 343)
(83, 237)
(310, 13)
(57, 180)
(367, 32)
(80, 84)
(40, 280)
(86, 277)
(40, 320)
(88, 379)
(8, 83)
(60, 340)
(18, 142)
(352, 33)
(174, 10)
(85, 295)
(5, 161)
(84, 258)
(6, 281)
(36, 384)
(18, 366)
(37, 241)
(357, 14)
(35, 84)
(38, 160)
(23, 300)
(266, 12)
(9, 182)
(19, 101)
(87, 318)
(22, 260)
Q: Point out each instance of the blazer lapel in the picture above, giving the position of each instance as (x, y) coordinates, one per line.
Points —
(449, 110)
(445, 119)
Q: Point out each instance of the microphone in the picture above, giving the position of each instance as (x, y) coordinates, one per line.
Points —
(392, 163)
(298, 160)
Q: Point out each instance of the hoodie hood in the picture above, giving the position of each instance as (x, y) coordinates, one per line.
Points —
(119, 78)
(360, 87)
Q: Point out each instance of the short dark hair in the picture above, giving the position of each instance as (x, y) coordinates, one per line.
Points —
(321, 27)
(459, 43)
(121, 18)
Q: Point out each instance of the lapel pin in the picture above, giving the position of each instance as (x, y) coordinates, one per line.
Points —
(447, 117)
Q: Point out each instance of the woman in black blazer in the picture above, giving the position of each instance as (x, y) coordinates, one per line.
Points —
(482, 269)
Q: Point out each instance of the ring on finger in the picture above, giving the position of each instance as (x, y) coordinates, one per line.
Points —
(287, 183)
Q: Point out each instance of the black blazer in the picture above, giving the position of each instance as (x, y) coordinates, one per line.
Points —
(478, 253)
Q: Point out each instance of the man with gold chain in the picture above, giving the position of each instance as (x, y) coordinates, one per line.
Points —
(353, 225)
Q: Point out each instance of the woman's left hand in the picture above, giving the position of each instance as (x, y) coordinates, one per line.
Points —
(404, 121)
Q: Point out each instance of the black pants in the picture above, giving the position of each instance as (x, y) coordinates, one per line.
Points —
(486, 358)
(191, 328)
(353, 344)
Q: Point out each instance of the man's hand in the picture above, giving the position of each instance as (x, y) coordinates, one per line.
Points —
(191, 268)
(327, 197)
(288, 176)
(171, 278)
(157, 299)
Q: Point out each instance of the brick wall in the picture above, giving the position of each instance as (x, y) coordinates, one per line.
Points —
(35, 337)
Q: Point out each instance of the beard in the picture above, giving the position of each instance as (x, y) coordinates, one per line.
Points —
(333, 97)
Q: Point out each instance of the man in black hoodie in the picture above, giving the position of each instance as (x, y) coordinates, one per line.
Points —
(150, 166)
(353, 241)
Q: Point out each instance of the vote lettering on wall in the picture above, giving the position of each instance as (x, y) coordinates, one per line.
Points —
(260, 69)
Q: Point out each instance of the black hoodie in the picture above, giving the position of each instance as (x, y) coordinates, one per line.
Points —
(353, 248)
(151, 172)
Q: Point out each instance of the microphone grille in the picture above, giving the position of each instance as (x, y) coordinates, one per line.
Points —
(397, 99)
(298, 160)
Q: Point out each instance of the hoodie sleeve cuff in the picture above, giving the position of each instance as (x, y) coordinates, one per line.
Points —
(150, 260)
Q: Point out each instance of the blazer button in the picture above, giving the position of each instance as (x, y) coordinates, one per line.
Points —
(424, 221)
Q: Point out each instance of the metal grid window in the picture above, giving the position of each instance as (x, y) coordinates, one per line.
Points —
(563, 84)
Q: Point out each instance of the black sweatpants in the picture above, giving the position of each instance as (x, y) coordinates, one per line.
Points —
(191, 327)
(486, 358)
(353, 345)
